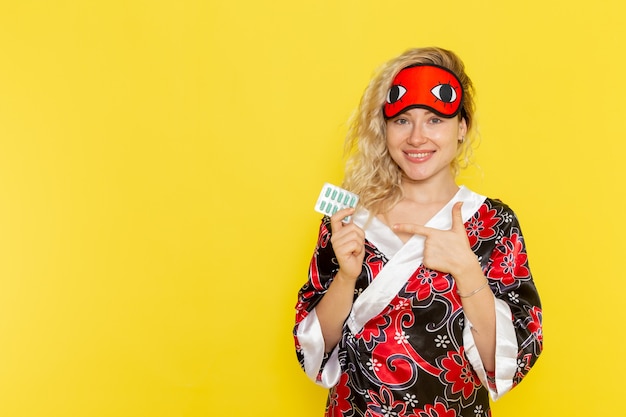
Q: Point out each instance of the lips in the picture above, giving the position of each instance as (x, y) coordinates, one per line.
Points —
(422, 155)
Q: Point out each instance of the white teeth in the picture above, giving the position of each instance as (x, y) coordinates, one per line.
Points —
(419, 155)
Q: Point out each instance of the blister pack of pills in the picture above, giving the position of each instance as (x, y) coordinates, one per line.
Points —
(333, 199)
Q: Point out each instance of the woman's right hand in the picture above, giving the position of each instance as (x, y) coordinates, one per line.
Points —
(348, 242)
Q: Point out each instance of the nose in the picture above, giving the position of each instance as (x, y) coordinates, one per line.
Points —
(417, 136)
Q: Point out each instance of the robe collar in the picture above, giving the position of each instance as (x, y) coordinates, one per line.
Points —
(404, 258)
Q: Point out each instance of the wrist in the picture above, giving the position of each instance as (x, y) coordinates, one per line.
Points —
(469, 279)
(344, 278)
(468, 268)
(473, 292)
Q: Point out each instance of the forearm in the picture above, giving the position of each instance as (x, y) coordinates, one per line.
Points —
(333, 309)
(479, 309)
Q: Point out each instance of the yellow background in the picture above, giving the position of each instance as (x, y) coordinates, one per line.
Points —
(159, 163)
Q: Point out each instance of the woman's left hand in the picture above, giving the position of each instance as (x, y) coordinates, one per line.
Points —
(444, 250)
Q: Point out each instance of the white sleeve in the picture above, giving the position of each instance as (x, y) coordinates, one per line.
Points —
(506, 351)
(311, 341)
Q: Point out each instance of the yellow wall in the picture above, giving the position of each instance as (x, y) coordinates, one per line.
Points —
(159, 161)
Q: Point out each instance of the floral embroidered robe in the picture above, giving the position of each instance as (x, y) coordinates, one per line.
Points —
(407, 350)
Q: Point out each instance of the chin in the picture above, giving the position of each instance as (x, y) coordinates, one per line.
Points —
(414, 177)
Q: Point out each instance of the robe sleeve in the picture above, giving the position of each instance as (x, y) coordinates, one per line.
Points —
(519, 337)
(321, 367)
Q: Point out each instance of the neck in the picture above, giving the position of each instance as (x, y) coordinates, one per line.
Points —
(426, 192)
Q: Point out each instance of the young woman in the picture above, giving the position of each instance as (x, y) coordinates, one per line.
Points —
(423, 304)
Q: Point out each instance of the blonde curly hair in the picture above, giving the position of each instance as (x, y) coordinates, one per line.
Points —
(370, 171)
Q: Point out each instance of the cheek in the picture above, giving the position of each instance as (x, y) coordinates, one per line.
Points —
(445, 134)
(396, 134)
(396, 157)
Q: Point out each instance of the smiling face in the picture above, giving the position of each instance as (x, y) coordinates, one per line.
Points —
(424, 145)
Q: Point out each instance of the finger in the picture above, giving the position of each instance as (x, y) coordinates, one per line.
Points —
(337, 218)
(457, 217)
(351, 233)
(414, 229)
(347, 248)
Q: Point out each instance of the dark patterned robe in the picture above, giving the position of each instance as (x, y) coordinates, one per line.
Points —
(407, 349)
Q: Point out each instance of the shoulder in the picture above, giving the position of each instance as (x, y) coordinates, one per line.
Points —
(500, 213)
(486, 204)
(497, 204)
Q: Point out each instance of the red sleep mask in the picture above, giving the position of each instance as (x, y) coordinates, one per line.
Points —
(425, 86)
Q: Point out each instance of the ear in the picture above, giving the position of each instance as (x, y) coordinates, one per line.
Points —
(462, 129)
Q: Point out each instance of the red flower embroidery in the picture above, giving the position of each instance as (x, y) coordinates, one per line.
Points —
(374, 329)
(338, 403)
(535, 325)
(459, 374)
(509, 261)
(383, 404)
(481, 226)
(424, 281)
